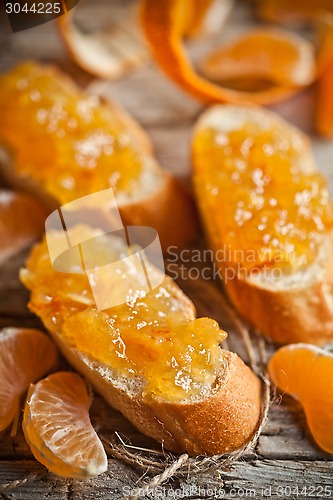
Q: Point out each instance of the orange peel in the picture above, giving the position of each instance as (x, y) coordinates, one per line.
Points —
(324, 113)
(21, 222)
(26, 355)
(164, 27)
(202, 17)
(274, 56)
(296, 12)
(306, 373)
(108, 54)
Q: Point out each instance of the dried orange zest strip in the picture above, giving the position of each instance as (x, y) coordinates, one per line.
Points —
(58, 430)
(21, 222)
(272, 55)
(107, 54)
(306, 373)
(25, 356)
(163, 23)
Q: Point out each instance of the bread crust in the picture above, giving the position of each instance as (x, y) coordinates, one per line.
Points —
(286, 311)
(299, 313)
(218, 424)
(170, 210)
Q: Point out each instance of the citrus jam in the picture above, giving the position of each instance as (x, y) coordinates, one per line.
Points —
(67, 140)
(154, 334)
(264, 209)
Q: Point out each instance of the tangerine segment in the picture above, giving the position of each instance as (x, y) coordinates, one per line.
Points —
(250, 176)
(270, 55)
(69, 142)
(21, 222)
(164, 26)
(153, 336)
(57, 427)
(306, 373)
(25, 356)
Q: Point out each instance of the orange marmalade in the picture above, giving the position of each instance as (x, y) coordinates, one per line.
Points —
(67, 140)
(262, 208)
(153, 335)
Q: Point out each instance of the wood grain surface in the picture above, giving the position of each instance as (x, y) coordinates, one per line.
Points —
(285, 463)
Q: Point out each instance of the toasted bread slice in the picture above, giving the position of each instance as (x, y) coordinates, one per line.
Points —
(288, 299)
(149, 358)
(62, 144)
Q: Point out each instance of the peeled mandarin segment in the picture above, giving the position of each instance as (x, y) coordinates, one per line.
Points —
(153, 335)
(271, 55)
(242, 172)
(25, 356)
(58, 430)
(164, 28)
(107, 54)
(21, 222)
(297, 12)
(80, 145)
(306, 372)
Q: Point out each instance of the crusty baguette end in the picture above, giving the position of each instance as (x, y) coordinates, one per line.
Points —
(298, 309)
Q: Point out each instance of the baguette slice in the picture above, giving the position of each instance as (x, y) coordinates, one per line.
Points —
(149, 358)
(295, 304)
(40, 104)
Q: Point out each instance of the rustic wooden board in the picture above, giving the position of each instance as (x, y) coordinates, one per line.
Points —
(285, 455)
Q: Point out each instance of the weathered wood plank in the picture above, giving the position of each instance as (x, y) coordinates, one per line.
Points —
(41, 487)
(260, 479)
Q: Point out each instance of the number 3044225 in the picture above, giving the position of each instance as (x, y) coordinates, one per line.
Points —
(36, 8)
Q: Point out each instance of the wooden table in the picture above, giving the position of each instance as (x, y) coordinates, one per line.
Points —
(285, 459)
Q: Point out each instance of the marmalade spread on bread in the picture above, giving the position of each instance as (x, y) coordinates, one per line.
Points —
(154, 335)
(69, 141)
(263, 208)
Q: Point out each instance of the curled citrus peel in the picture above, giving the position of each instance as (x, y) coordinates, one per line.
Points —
(271, 56)
(108, 53)
(295, 12)
(21, 222)
(164, 26)
(57, 427)
(114, 52)
(25, 356)
(324, 115)
(306, 373)
(203, 17)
